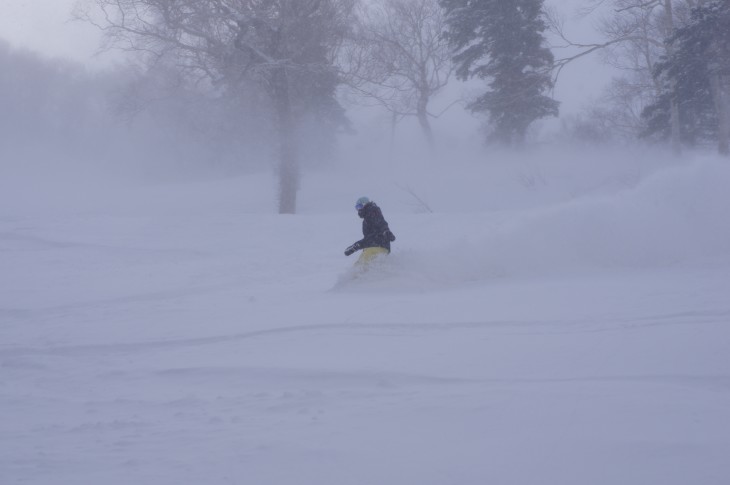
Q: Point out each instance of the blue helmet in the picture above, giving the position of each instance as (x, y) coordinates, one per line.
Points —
(361, 202)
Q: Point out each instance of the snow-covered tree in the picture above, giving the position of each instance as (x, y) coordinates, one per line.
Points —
(284, 47)
(696, 76)
(502, 42)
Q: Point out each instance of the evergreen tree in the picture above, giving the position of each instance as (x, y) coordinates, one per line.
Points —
(698, 70)
(502, 41)
(697, 114)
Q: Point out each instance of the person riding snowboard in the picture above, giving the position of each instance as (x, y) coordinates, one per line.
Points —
(377, 235)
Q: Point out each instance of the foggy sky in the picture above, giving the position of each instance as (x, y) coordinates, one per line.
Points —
(45, 26)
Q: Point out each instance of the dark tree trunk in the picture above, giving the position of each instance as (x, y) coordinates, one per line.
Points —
(422, 113)
(393, 126)
(288, 170)
(673, 104)
(721, 96)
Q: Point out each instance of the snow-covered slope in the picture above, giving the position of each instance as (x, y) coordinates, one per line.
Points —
(554, 322)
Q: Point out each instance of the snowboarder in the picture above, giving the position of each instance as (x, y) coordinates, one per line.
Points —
(377, 235)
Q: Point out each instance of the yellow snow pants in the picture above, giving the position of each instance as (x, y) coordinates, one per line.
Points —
(369, 255)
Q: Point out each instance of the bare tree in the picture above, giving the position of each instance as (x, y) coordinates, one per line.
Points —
(720, 83)
(286, 47)
(620, 108)
(398, 58)
(634, 34)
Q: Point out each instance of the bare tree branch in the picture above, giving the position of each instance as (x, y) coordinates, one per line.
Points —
(398, 59)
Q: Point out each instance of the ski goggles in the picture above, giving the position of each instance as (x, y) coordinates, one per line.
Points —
(359, 206)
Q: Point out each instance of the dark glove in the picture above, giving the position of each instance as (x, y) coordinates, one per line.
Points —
(389, 235)
(351, 249)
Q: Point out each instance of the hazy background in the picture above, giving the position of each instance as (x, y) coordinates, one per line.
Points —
(88, 112)
(46, 27)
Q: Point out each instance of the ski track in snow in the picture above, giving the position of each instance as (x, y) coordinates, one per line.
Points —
(538, 327)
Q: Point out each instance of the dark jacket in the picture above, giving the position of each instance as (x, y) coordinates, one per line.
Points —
(374, 228)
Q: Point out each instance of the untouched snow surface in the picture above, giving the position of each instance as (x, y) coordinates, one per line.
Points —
(546, 323)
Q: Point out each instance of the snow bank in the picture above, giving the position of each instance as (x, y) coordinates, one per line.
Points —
(675, 216)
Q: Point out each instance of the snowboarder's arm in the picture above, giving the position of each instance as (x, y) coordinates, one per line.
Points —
(355, 247)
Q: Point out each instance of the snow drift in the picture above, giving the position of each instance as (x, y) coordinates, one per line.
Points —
(673, 217)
